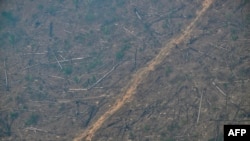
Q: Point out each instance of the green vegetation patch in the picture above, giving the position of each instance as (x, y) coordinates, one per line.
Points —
(9, 38)
(89, 82)
(244, 72)
(120, 54)
(168, 70)
(234, 35)
(93, 64)
(106, 29)
(77, 79)
(9, 18)
(68, 70)
(146, 128)
(90, 17)
(14, 115)
(29, 78)
(52, 10)
(173, 126)
(248, 19)
(32, 120)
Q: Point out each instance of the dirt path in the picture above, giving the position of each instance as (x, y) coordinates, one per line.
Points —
(137, 78)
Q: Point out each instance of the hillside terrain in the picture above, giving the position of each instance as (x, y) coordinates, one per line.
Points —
(108, 70)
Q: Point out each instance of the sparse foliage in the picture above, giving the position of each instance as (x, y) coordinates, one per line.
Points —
(32, 120)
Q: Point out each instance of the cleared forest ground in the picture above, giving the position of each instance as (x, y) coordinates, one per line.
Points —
(141, 74)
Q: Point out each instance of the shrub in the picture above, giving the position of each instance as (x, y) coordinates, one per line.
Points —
(14, 115)
(29, 78)
(68, 70)
(168, 70)
(32, 120)
(9, 18)
(121, 53)
(146, 127)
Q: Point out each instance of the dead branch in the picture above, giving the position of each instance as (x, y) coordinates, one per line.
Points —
(73, 59)
(137, 14)
(56, 77)
(28, 67)
(78, 89)
(95, 97)
(199, 109)
(219, 47)
(128, 31)
(67, 31)
(135, 57)
(104, 76)
(61, 61)
(208, 102)
(98, 87)
(236, 81)
(237, 40)
(61, 56)
(223, 93)
(82, 99)
(58, 61)
(35, 129)
(84, 89)
(6, 76)
(41, 53)
(218, 88)
(202, 52)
